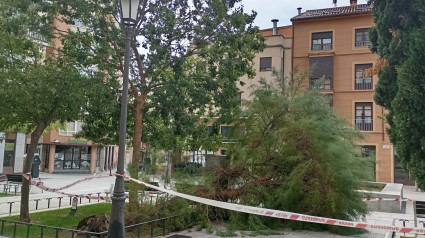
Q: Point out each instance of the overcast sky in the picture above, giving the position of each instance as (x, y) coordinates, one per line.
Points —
(284, 10)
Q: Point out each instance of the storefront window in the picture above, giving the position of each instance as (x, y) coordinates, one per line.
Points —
(72, 157)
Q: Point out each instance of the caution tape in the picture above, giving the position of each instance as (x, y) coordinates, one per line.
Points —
(40, 184)
(388, 199)
(280, 214)
(255, 210)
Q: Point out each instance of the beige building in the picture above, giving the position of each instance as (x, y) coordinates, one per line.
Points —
(334, 43)
(277, 55)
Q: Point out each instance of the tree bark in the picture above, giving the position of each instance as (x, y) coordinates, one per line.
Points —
(25, 190)
(137, 139)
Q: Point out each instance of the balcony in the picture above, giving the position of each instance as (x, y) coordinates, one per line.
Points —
(363, 83)
(327, 84)
(37, 36)
(362, 43)
(364, 124)
(321, 47)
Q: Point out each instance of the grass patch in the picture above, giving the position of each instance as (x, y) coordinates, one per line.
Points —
(7, 195)
(57, 218)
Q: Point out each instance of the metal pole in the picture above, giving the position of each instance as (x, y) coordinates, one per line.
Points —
(117, 226)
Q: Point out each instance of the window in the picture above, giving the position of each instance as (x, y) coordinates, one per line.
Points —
(330, 97)
(225, 131)
(321, 67)
(363, 112)
(362, 37)
(266, 64)
(72, 157)
(71, 128)
(363, 79)
(321, 41)
(368, 151)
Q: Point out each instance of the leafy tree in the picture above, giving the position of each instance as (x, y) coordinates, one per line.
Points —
(398, 37)
(294, 154)
(186, 59)
(37, 90)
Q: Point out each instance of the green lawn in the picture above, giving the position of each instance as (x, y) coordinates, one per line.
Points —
(61, 218)
(7, 195)
(57, 218)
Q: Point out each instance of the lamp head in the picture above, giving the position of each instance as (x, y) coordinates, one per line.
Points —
(129, 11)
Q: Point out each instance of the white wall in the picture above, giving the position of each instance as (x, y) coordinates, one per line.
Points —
(19, 152)
(2, 144)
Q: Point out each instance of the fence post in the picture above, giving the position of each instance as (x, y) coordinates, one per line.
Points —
(60, 201)
(90, 197)
(152, 223)
(14, 230)
(163, 227)
(36, 203)
(2, 227)
(70, 200)
(138, 231)
(98, 197)
(48, 202)
(57, 233)
(42, 232)
(10, 208)
(28, 230)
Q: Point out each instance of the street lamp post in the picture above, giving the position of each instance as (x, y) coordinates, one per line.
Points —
(128, 11)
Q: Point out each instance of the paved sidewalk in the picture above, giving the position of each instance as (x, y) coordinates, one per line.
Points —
(94, 186)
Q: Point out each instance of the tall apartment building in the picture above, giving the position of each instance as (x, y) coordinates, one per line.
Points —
(333, 43)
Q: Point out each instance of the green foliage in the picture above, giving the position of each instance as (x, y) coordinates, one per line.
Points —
(399, 38)
(296, 155)
(183, 65)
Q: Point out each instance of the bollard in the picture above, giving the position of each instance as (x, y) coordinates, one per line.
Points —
(15, 189)
(10, 208)
(36, 203)
(48, 202)
(90, 197)
(98, 197)
(70, 200)
(60, 201)
(81, 197)
(404, 223)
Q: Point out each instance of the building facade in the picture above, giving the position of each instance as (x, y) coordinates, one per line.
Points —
(334, 44)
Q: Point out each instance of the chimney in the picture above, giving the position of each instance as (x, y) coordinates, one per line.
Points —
(299, 11)
(275, 26)
(353, 3)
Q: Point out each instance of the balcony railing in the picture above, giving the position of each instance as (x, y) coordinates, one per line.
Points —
(364, 124)
(326, 85)
(362, 43)
(322, 47)
(36, 36)
(363, 83)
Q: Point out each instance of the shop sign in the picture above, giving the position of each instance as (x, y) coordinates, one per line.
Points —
(76, 142)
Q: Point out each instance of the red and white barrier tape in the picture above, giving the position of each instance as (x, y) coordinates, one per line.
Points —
(256, 210)
(280, 214)
(387, 199)
(40, 184)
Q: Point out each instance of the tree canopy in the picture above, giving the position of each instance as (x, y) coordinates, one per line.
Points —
(291, 153)
(398, 37)
(36, 88)
(187, 57)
